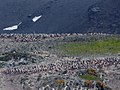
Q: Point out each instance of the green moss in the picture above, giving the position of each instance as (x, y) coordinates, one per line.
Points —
(89, 77)
(109, 45)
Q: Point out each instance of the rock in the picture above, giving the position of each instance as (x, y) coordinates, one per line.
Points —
(95, 9)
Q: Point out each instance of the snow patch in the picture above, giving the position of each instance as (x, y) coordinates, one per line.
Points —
(36, 18)
(14, 27)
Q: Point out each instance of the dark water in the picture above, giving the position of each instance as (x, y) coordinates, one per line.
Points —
(58, 16)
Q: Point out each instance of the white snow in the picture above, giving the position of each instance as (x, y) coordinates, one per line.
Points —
(14, 27)
(36, 18)
(11, 28)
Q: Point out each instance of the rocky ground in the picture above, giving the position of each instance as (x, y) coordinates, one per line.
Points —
(55, 71)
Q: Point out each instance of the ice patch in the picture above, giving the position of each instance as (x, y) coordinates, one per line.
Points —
(12, 27)
(36, 18)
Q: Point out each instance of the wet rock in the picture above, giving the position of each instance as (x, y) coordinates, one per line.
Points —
(64, 72)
